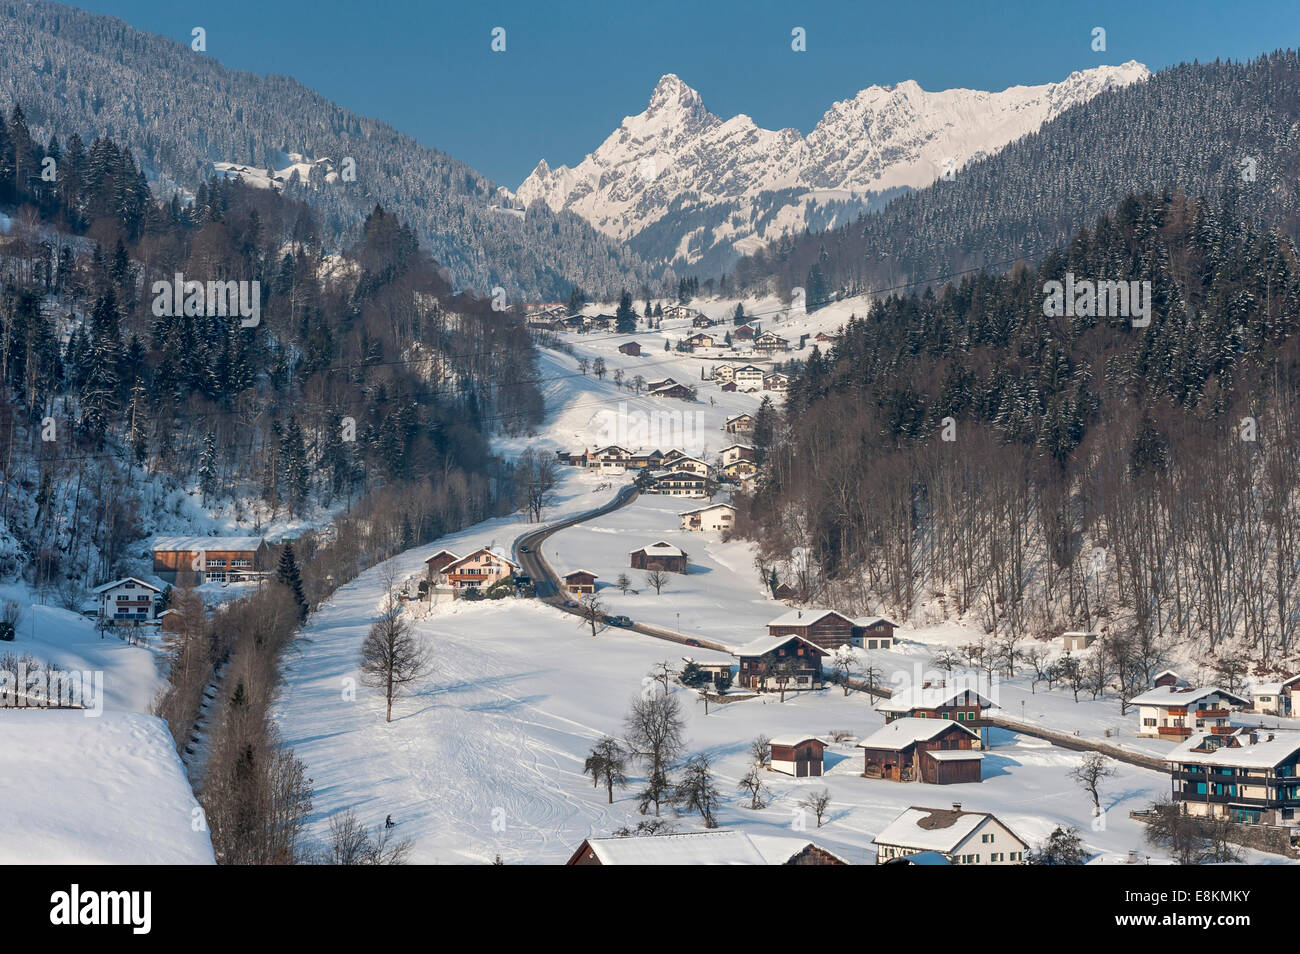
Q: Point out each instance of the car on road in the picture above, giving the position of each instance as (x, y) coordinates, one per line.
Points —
(618, 621)
(523, 548)
(692, 642)
(569, 603)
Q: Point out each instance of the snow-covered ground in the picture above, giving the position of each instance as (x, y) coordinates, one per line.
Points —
(104, 790)
(485, 754)
(97, 786)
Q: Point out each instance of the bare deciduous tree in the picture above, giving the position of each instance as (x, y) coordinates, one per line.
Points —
(391, 657)
(656, 733)
(1090, 773)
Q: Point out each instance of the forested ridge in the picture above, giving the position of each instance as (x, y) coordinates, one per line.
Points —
(959, 451)
(1202, 127)
(364, 370)
(180, 111)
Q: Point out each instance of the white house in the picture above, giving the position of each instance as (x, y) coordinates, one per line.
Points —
(1174, 712)
(721, 517)
(964, 838)
(748, 377)
(691, 465)
(1277, 698)
(734, 452)
(721, 846)
(128, 600)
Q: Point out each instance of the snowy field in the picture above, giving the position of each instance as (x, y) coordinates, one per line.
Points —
(78, 788)
(101, 790)
(485, 755)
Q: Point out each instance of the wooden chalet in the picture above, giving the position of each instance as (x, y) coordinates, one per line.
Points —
(735, 452)
(580, 582)
(926, 750)
(480, 570)
(702, 321)
(937, 700)
(772, 665)
(770, 341)
(632, 348)
(690, 465)
(777, 381)
(873, 632)
(740, 424)
(743, 333)
(678, 392)
(436, 565)
(682, 484)
(800, 756)
(740, 469)
(659, 556)
(723, 373)
(701, 339)
(825, 628)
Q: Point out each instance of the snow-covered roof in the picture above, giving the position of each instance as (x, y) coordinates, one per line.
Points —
(194, 544)
(716, 506)
(930, 697)
(1264, 754)
(579, 571)
(125, 579)
(955, 755)
(496, 552)
(868, 621)
(795, 739)
(1275, 688)
(805, 617)
(718, 847)
(659, 549)
(766, 644)
(931, 829)
(1175, 696)
(902, 733)
(779, 849)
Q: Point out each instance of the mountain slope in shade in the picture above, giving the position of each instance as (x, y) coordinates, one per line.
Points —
(182, 113)
(678, 182)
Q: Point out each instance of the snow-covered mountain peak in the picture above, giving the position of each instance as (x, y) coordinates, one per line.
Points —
(689, 185)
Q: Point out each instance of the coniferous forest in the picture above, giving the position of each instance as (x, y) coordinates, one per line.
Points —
(1058, 472)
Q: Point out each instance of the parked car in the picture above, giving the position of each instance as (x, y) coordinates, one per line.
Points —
(569, 603)
(618, 621)
(692, 642)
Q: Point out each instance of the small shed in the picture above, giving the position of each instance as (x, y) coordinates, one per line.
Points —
(631, 347)
(1077, 640)
(800, 756)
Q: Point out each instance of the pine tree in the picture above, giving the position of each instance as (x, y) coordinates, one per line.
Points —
(287, 574)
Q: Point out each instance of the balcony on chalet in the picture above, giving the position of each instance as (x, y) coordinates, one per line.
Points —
(1212, 713)
(1174, 731)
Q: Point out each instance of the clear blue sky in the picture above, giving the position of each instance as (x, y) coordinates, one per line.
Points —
(574, 68)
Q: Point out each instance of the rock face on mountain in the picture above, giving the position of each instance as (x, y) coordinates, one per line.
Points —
(679, 182)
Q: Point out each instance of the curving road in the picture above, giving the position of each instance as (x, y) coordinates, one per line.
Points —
(527, 552)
